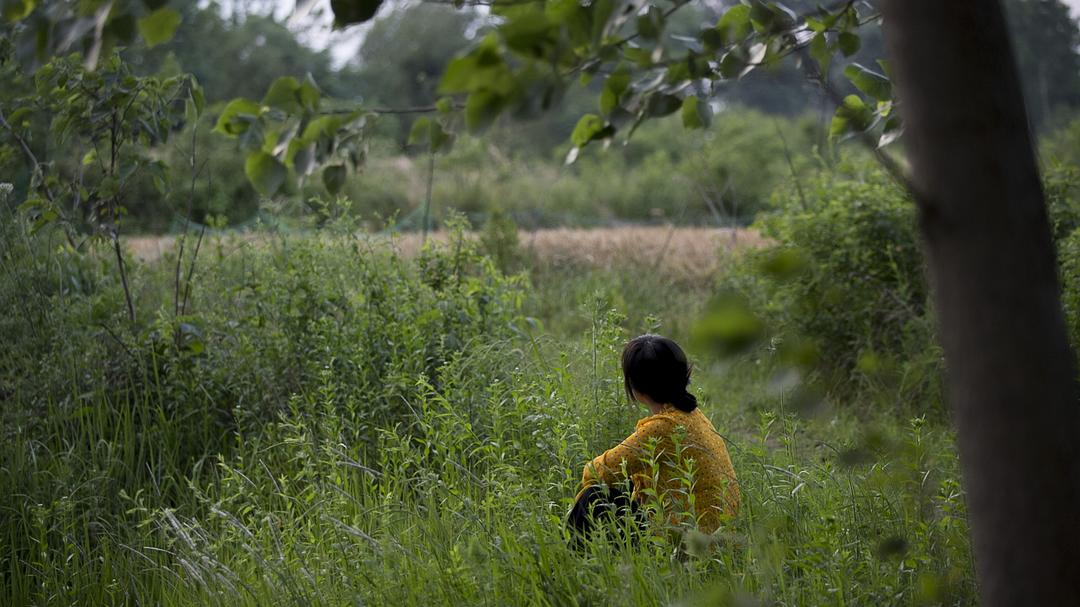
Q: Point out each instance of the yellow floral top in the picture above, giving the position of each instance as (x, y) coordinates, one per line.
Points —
(675, 458)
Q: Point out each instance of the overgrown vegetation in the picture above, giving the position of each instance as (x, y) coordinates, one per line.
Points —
(322, 420)
(307, 415)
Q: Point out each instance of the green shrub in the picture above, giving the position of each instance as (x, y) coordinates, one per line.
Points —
(844, 287)
(863, 288)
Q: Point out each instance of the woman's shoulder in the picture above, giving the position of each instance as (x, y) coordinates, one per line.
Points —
(668, 417)
(664, 419)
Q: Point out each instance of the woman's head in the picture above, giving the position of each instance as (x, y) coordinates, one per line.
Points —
(656, 367)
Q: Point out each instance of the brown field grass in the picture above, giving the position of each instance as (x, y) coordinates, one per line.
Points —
(686, 252)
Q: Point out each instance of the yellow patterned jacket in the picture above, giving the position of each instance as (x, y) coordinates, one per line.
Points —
(677, 460)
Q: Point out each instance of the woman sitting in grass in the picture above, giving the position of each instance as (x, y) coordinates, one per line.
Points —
(674, 463)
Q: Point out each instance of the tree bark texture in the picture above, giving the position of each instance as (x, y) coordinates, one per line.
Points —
(1010, 370)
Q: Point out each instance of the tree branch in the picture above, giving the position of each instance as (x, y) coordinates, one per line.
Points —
(35, 167)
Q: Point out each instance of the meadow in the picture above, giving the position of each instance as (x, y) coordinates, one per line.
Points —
(320, 419)
(329, 311)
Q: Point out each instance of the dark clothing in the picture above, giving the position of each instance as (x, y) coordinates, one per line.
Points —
(601, 506)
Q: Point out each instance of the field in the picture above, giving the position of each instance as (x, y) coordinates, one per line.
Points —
(688, 252)
(322, 421)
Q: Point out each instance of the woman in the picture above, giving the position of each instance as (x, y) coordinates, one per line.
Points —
(674, 460)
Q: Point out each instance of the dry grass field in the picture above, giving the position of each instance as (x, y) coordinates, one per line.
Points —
(684, 251)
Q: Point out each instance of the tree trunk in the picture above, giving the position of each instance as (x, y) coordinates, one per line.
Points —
(1010, 370)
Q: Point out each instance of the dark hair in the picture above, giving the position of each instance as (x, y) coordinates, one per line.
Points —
(657, 367)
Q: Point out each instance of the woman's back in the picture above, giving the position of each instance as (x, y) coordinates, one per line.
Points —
(676, 460)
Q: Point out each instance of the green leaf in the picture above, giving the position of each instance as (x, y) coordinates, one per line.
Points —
(852, 115)
(619, 80)
(284, 94)
(819, 50)
(349, 12)
(333, 178)
(237, 117)
(17, 10)
(481, 109)
(197, 96)
(121, 28)
(770, 17)
(608, 101)
(869, 82)
(302, 157)
(696, 114)
(734, 25)
(264, 172)
(482, 69)
(849, 43)
(712, 39)
(590, 127)
(732, 63)
(309, 94)
(662, 104)
(159, 26)
(418, 134)
(444, 105)
(638, 56)
(651, 24)
(325, 127)
(439, 139)
(893, 129)
(729, 327)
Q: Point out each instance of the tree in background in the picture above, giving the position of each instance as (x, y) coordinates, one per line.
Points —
(404, 53)
(239, 57)
(1045, 41)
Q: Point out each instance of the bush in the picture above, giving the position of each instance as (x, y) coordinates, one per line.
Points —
(863, 288)
(846, 277)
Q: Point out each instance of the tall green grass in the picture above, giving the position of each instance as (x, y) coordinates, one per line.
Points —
(329, 424)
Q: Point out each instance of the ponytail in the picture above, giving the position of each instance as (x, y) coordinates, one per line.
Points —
(686, 401)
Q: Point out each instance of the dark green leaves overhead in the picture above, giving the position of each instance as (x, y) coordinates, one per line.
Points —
(264, 172)
(334, 177)
(869, 82)
(535, 50)
(350, 12)
(432, 133)
(159, 26)
(590, 128)
(852, 115)
(651, 24)
(288, 136)
(290, 95)
(17, 10)
(662, 104)
(696, 114)
(849, 43)
(771, 17)
(237, 117)
(488, 79)
(482, 69)
(734, 26)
